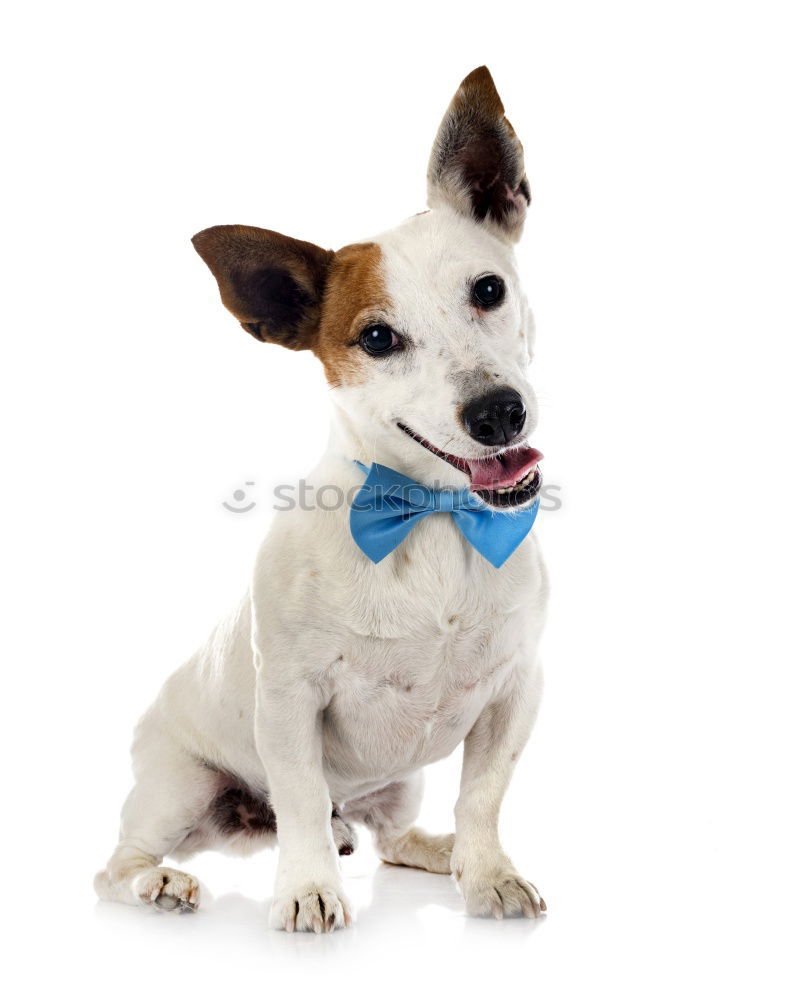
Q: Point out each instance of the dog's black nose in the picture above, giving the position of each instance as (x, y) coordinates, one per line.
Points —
(496, 418)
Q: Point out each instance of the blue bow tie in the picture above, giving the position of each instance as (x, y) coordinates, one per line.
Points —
(389, 505)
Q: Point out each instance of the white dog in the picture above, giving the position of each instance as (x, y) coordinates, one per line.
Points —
(338, 678)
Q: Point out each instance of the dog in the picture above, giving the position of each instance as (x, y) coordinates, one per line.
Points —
(319, 701)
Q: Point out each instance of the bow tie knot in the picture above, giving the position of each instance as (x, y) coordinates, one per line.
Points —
(389, 504)
(443, 501)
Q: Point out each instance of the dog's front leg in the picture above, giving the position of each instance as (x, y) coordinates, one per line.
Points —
(488, 880)
(308, 894)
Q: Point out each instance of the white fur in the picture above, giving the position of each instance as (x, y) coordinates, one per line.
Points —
(337, 680)
(430, 263)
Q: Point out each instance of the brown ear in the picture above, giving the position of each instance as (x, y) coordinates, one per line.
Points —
(272, 283)
(477, 159)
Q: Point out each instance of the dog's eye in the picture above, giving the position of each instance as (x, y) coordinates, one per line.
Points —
(488, 291)
(378, 339)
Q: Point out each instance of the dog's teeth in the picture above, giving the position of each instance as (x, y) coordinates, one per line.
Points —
(521, 482)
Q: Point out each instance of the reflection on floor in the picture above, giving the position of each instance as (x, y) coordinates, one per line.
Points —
(409, 927)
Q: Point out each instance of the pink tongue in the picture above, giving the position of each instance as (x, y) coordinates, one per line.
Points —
(502, 470)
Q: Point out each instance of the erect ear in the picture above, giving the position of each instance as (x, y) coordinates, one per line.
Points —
(272, 283)
(477, 160)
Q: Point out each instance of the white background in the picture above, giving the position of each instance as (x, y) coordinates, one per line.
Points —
(648, 805)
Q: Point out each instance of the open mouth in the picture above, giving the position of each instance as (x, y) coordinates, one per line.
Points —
(507, 479)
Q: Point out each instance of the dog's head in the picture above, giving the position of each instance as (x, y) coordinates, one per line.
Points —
(423, 333)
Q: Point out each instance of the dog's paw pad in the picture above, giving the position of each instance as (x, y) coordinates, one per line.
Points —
(167, 889)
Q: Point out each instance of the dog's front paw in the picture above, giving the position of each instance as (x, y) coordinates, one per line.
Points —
(497, 890)
(310, 907)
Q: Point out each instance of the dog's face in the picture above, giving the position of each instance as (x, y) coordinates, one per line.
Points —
(423, 332)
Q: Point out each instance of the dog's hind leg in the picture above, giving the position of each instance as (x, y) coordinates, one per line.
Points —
(389, 813)
(172, 794)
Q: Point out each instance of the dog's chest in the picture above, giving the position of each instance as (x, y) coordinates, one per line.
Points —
(409, 695)
(409, 651)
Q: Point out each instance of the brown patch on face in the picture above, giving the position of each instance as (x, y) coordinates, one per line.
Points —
(354, 296)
